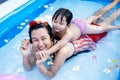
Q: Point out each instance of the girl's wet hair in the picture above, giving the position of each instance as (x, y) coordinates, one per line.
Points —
(33, 25)
(63, 13)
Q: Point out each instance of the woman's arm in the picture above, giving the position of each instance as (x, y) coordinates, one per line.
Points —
(27, 54)
(60, 58)
(26, 63)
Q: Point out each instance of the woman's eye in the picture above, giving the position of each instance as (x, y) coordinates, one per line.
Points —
(34, 40)
(43, 39)
(62, 23)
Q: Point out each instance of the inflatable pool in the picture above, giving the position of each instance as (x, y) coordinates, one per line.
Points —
(100, 64)
(11, 77)
(13, 22)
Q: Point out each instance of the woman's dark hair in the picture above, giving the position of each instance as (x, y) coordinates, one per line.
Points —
(34, 26)
(63, 13)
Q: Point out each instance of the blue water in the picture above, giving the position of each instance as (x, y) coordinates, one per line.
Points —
(12, 23)
(101, 64)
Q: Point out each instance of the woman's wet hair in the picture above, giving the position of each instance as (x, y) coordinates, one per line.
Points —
(33, 25)
(63, 13)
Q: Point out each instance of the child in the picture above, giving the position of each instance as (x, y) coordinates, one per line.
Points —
(67, 30)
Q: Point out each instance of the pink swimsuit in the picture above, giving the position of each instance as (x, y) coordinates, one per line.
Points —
(81, 24)
(84, 42)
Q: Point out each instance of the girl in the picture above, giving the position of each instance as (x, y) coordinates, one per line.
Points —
(66, 29)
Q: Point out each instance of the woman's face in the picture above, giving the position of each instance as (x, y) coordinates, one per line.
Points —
(41, 39)
(59, 25)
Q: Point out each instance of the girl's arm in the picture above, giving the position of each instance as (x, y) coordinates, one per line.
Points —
(61, 43)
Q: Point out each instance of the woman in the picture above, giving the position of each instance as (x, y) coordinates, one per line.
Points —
(41, 39)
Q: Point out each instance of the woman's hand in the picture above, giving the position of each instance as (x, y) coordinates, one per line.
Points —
(41, 56)
(25, 47)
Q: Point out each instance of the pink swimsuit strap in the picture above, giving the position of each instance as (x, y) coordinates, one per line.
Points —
(81, 24)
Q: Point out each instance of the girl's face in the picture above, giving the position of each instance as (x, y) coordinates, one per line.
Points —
(59, 25)
(41, 39)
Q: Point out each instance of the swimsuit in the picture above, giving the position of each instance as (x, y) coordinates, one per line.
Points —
(84, 43)
(80, 24)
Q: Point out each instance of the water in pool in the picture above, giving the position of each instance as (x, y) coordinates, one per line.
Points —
(101, 64)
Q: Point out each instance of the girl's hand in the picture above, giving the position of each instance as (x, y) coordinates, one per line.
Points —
(25, 47)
